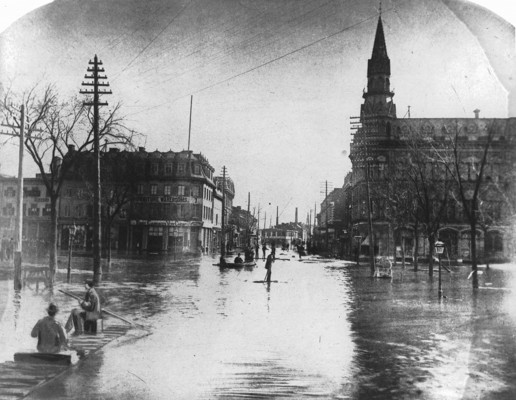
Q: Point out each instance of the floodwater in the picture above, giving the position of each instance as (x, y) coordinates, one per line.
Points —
(324, 330)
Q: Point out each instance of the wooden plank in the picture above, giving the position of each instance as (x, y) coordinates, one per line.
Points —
(19, 378)
(43, 358)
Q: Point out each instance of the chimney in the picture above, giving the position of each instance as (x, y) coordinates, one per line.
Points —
(296, 215)
(477, 113)
(56, 164)
(71, 148)
(141, 149)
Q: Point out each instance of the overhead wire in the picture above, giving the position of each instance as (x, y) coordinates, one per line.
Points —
(235, 76)
(154, 39)
(280, 57)
(244, 26)
(274, 36)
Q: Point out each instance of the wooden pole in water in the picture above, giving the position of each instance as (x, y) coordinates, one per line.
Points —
(222, 236)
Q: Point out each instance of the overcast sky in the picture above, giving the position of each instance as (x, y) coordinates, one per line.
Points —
(274, 81)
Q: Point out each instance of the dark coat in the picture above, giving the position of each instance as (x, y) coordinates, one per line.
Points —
(51, 335)
(91, 304)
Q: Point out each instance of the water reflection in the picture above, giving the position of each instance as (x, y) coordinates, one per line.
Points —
(324, 330)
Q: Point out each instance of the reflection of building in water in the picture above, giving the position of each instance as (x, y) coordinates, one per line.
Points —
(382, 152)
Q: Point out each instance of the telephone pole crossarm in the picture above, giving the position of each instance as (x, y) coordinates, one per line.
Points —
(96, 103)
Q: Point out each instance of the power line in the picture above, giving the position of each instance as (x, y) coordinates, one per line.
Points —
(248, 25)
(280, 57)
(265, 63)
(153, 40)
(250, 41)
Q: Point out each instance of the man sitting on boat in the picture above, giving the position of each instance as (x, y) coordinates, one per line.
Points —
(90, 310)
(50, 333)
(238, 259)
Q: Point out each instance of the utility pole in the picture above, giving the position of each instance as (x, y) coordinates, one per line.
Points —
(96, 92)
(277, 216)
(326, 215)
(258, 227)
(223, 236)
(19, 201)
(18, 235)
(189, 135)
(248, 238)
(369, 219)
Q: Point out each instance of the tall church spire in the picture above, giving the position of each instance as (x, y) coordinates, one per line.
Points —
(378, 98)
(379, 47)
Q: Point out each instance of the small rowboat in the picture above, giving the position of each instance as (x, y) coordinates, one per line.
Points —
(237, 265)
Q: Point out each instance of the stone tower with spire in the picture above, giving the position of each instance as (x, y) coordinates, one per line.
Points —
(369, 153)
(378, 98)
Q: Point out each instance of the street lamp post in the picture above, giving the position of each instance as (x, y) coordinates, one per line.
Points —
(439, 249)
(71, 236)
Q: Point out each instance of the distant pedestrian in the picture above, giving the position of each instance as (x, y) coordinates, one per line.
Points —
(257, 250)
(50, 333)
(10, 249)
(268, 267)
(264, 250)
(273, 251)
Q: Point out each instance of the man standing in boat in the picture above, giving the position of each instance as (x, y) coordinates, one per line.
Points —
(50, 333)
(268, 267)
(89, 311)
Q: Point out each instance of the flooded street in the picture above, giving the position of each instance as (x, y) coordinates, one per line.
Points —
(324, 330)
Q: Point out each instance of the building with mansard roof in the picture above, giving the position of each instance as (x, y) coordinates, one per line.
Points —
(152, 202)
(380, 154)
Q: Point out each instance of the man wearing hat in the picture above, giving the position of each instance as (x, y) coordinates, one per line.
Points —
(89, 311)
(50, 333)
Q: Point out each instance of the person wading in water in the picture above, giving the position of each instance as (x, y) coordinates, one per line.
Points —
(268, 267)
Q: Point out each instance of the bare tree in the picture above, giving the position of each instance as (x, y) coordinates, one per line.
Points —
(466, 162)
(401, 208)
(119, 179)
(55, 127)
(430, 187)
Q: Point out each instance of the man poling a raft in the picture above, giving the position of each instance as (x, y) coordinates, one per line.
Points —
(105, 311)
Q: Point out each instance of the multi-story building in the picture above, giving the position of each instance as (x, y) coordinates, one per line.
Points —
(225, 189)
(380, 146)
(290, 234)
(36, 212)
(157, 202)
(243, 224)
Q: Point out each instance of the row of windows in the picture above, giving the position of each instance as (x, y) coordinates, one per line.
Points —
(166, 211)
(172, 231)
(76, 192)
(207, 213)
(208, 194)
(27, 192)
(33, 211)
(169, 190)
(168, 167)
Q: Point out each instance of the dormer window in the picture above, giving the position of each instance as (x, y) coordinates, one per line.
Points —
(181, 169)
(154, 168)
